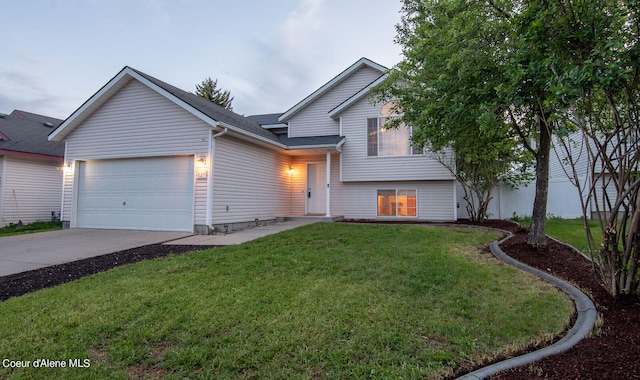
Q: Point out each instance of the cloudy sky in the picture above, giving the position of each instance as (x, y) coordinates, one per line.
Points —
(269, 53)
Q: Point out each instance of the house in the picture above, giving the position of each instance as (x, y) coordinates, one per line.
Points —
(563, 196)
(143, 154)
(30, 168)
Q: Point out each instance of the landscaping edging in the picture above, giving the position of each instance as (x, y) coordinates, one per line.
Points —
(585, 321)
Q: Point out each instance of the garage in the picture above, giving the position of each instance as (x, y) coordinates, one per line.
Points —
(141, 194)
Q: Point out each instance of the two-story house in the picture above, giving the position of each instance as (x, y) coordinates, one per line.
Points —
(142, 154)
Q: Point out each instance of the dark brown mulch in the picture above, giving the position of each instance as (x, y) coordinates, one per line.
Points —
(26, 282)
(612, 353)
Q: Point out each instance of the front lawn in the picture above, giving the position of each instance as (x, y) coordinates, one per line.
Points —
(321, 301)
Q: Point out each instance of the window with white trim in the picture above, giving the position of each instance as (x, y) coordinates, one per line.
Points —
(383, 141)
(397, 203)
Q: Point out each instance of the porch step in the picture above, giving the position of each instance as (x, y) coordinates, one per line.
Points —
(311, 218)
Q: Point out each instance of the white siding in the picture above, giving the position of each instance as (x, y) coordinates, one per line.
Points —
(249, 182)
(559, 168)
(356, 166)
(507, 202)
(138, 122)
(563, 199)
(314, 120)
(31, 189)
(2, 164)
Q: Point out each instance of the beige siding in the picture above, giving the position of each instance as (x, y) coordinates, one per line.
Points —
(356, 166)
(358, 200)
(249, 182)
(31, 189)
(299, 182)
(138, 122)
(314, 120)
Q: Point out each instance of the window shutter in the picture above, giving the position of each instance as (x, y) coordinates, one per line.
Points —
(372, 137)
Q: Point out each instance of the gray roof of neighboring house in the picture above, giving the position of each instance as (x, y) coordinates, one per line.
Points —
(211, 109)
(26, 132)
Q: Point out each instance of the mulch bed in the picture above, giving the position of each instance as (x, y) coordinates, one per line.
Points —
(613, 352)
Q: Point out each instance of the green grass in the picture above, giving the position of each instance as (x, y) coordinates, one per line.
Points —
(16, 229)
(326, 300)
(570, 231)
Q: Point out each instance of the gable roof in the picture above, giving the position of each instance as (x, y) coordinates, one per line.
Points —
(209, 112)
(26, 133)
(329, 85)
(355, 97)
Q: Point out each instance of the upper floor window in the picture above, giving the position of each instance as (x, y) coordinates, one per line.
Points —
(383, 141)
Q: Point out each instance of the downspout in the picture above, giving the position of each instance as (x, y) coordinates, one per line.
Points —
(64, 180)
(3, 180)
(212, 137)
(328, 175)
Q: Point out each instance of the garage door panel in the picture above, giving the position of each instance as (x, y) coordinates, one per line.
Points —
(146, 194)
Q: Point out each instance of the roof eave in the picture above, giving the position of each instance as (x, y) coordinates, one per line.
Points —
(309, 147)
(117, 82)
(329, 85)
(334, 113)
(244, 133)
(16, 153)
(89, 106)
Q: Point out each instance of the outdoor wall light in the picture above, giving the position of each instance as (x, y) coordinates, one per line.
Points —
(202, 162)
(68, 167)
(290, 170)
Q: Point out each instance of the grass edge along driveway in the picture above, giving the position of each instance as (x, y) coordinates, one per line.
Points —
(320, 301)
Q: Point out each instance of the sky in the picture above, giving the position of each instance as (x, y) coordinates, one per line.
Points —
(269, 54)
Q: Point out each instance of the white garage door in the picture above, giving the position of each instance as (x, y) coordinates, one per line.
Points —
(141, 194)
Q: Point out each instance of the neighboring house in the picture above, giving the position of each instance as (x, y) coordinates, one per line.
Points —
(142, 154)
(563, 196)
(30, 168)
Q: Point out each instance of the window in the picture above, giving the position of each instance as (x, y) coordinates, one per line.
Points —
(397, 203)
(383, 141)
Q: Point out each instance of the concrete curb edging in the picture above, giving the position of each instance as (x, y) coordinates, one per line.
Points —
(585, 321)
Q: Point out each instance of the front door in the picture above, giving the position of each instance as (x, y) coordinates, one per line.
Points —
(317, 188)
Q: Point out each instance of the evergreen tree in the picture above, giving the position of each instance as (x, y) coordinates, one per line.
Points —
(209, 90)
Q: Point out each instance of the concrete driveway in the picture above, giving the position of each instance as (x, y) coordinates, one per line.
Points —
(21, 253)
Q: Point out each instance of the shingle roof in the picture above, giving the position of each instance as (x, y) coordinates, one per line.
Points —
(266, 119)
(301, 142)
(27, 133)
(211, 109)
(207, 111)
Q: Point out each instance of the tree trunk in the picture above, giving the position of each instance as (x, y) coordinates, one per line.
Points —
(537, 238)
